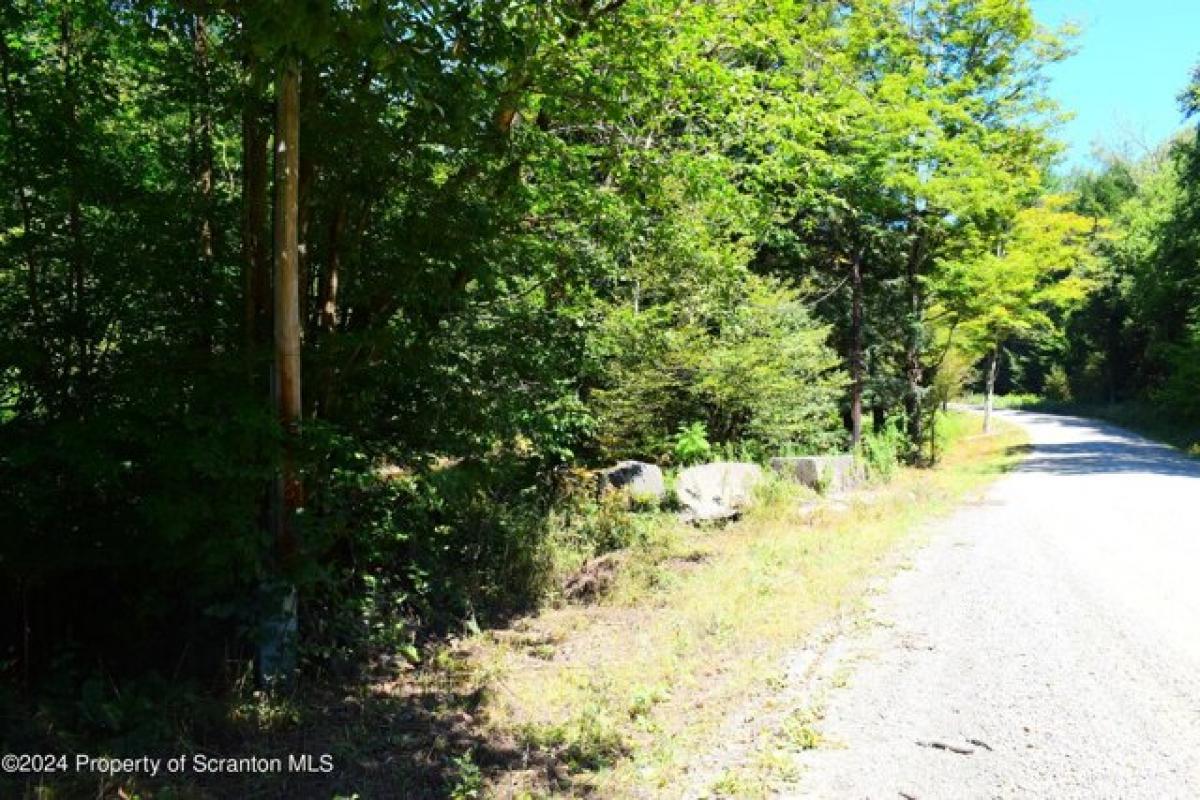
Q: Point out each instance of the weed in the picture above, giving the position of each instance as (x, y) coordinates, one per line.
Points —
(881, 451)
(469, 782)
(777, 764)
(644, 699)
(591, 740)
(799, 730)
(733, 784)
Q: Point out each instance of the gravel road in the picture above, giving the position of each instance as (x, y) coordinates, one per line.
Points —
(1046, 644)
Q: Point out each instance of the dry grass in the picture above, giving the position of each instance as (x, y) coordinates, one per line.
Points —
(616, 699)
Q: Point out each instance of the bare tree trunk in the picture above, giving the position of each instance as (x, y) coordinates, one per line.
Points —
(277, 648)
(304, 215)
(856, 349)
(990, 389)
(1115, 336)
(202, 136)
(913, 373)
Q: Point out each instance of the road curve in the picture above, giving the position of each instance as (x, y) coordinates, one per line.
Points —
(1046, 644)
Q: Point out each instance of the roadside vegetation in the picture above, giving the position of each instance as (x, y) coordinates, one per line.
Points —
(621, 689)
(626, 696)
(1127, 352)
(318, 321)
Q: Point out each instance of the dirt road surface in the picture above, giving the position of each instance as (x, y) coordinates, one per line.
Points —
(1046, 644)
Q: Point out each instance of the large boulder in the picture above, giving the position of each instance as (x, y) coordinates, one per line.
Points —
(822, 473)
(716, 491)
(641, 481)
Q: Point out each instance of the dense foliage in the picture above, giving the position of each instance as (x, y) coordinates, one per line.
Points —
(1128, 347)
(534, 237)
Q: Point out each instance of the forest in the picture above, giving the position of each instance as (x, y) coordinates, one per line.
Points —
(316, 316)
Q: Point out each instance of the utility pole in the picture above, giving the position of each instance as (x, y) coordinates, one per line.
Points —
(277, 648)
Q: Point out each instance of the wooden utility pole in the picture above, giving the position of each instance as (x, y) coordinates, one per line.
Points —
(287, 298)
(278, 645)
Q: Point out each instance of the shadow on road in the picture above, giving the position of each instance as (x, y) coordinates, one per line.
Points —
(1101, 449)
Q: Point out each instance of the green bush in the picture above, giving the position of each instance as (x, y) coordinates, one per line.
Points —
(1179, 395)
(753, 366)
(449, 541)
(881, 452)
(1057, 387)
(691, 444)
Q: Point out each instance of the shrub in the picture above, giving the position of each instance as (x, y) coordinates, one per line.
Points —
(755, 367)
(881, 452)
(1178, 395)
(691, 444)
(1057, 386)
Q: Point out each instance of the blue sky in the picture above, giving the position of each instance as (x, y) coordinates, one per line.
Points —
(1135, 57)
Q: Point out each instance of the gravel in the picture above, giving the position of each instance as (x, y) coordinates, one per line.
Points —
(1045, 644)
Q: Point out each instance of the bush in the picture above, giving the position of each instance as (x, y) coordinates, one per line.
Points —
(691, 444)
(881, 452)
(754, 368)
(427, 547)
(1057, 387)
(1179, 396)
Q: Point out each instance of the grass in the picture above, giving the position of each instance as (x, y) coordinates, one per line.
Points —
(698, 620)
(1003, 401)
(621, 696)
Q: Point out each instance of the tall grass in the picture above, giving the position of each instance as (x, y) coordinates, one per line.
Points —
(634, 687)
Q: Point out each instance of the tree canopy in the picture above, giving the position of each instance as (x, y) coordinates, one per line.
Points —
(512, 239)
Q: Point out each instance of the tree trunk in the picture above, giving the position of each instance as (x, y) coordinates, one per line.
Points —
(287, 291)
(913, 371)
(990, 389)
(328, 314)
(1115, 336)
(256, 277)
(327, 301)
(204, 145)
(277, 649)
(856, 349)
(308, 176)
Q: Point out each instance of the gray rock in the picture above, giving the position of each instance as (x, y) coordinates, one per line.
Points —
(641, 481)
(823, 473)
(716, 491)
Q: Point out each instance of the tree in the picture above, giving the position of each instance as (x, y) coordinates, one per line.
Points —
(1021, 284)
(511, 238)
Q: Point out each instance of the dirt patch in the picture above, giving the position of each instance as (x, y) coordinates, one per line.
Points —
(595, 578)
